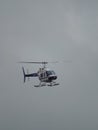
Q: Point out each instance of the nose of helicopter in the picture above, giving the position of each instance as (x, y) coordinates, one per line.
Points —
(54, 77)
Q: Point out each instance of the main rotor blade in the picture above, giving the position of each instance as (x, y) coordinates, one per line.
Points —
(65, 61)
(53, 62)
(33, 62)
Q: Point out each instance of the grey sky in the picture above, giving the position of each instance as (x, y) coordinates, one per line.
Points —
(51, 30)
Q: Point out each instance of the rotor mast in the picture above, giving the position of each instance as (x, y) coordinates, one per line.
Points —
(44, 64)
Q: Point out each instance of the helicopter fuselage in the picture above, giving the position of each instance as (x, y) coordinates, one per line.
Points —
(46, 75)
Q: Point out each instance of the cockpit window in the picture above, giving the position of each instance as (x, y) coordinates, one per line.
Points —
(50, 72)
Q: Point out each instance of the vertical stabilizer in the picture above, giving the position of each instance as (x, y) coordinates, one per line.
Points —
(24, 74)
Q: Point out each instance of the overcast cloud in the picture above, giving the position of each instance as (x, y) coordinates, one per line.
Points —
(49, 30)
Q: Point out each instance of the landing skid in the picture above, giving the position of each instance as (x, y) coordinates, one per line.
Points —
(47, 84)
(53, 84)
(40, 85)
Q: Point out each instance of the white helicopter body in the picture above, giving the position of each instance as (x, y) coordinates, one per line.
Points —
(46, 76)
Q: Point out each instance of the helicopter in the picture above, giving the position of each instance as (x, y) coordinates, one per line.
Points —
(46, 76)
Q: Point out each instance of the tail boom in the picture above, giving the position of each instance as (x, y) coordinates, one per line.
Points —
(28, 75)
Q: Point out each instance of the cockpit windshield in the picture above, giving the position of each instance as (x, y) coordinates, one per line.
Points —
(50, 72)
